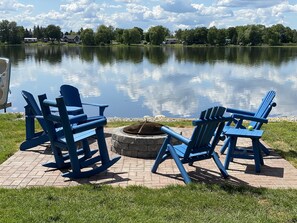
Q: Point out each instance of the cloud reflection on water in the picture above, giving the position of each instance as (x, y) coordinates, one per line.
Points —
(176, 87)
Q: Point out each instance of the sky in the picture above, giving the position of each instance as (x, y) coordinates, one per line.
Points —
(173, 14)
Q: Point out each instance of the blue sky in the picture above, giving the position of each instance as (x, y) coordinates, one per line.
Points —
(173, 14)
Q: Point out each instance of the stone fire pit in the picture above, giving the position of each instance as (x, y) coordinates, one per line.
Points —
(141, 140)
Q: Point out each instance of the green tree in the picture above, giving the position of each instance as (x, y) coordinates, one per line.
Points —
(178, 34)
(147, 37)
(212, 35)
(188, 36)
(80, 31)
(10, 32)
(241, 39)
(28, 33)
(271, 37)
(16, 33)
(157, 34)
(39, 32)
(126, 37)
(53, 32)
(104, 35)
(253, 35)
(200, 35)
(232, 35)
(131, 36)
(294, 36)
(285, 34)
(4, 31)
(221, 37)
(87, 37)
(118, 35)
(140, 30)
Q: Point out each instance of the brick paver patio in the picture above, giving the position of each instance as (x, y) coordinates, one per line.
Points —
(24, 169)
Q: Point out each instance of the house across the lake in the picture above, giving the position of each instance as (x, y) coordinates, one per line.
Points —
(71, 38)
(30, 40)
(170, 41)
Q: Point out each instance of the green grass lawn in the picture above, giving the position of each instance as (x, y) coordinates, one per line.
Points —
(191, 203)
(188, 203)
(12, 133)
(282, 137)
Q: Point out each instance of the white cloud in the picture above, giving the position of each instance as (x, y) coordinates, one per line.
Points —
(157, 12)
(72, 7)
(213, 11)
(173, 14)
(51, 16)
(283, 8)
(182, 26)
(128, 1)
(134, 8)
(178, 6)
(248, 3)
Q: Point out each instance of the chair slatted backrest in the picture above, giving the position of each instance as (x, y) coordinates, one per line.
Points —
(53, 118)
(33, 109)
(70, 95)
(264, 109)
(208, 127)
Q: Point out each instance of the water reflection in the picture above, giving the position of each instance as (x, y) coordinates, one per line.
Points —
(176, 82)
(251, 56)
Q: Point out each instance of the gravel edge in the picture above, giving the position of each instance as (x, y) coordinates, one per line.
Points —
(167, 119)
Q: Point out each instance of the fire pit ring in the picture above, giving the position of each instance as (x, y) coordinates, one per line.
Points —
(136, 145)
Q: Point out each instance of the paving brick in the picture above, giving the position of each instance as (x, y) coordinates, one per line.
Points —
(24, 169)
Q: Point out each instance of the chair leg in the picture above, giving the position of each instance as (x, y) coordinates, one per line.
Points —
(59, 159)
(179, 164)
(86, 148)
(38, 139)
(30, 127)
(225, 146)
(74, 160)
(257, 155)
(229, 156)
(102, 146)
(220, 165)
(264, 149)
(160, 155)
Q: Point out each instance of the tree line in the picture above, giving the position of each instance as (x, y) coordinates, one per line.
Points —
(240, 35)
(252, 35)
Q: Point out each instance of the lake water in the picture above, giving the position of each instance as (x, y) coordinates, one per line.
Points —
(149, 81)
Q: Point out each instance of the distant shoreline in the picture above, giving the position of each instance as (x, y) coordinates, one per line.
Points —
(62, 44)
(167, 119)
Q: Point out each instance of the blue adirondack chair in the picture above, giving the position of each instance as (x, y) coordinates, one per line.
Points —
(74, 135)
(257, 119)
(72, 98)
(200, 146)
(32, 113)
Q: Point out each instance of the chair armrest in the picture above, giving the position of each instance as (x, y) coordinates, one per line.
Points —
(97, 105)
(175, 135)
(35, 116)
(250, 118)
(77, 118)
(237, 111)
(71, 110)
(100, 106)
(89, 125)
